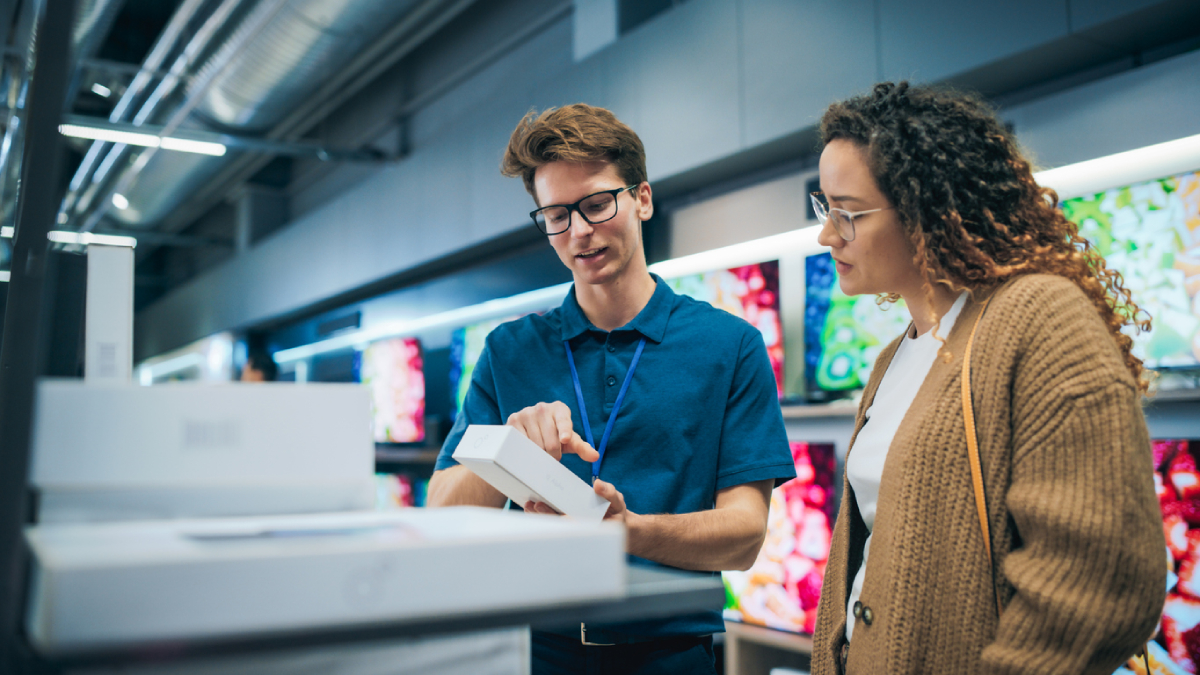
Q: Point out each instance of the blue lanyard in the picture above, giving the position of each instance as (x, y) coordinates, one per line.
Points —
(616, 405)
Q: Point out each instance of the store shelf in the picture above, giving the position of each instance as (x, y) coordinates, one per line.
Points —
(754, 650)
(1174, 395)
(406, 455)
(836, 409)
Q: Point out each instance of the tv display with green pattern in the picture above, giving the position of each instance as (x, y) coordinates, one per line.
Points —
(843, 334)
(1150, 233)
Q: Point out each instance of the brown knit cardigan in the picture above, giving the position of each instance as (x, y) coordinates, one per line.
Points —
(1076, 530)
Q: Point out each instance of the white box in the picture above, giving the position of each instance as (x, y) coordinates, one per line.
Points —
(107, 451)
(524, 472)
(108, 316)
(98, 586)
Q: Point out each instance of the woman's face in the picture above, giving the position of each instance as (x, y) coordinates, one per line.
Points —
(880, 259)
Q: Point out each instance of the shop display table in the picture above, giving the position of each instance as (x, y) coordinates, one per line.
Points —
(636, 592)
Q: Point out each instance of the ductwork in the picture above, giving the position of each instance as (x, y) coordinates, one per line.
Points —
(247, 66)
(93, 20)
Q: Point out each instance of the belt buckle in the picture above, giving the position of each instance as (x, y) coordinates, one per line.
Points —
(583, 638)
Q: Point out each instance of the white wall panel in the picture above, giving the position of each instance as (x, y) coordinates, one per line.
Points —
(800, 56)
(1085, 14)
(1138, 108)
(930, 40)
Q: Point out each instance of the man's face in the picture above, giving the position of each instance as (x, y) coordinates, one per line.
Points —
(603, 252)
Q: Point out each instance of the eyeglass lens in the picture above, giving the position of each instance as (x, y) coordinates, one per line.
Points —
(843, 224)
(595, 209)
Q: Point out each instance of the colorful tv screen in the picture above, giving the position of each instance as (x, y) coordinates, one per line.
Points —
(466, 346)
(750, 292)
(783, 586)
(1177, 481)
(393, 370)
(1150, 233)
(843, 335)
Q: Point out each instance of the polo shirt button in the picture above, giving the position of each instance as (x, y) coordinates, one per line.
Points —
(868, 616)
(612, 348)
(857, 612)
(611, 380)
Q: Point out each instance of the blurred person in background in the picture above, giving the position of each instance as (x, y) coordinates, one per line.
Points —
(260, 367)
(925, 196)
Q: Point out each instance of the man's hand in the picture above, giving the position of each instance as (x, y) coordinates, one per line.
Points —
(616, 503)
(549, 426)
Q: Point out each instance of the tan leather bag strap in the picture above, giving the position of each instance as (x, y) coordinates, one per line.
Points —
(973, 456)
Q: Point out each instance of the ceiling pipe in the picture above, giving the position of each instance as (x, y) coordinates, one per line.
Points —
(312, 38)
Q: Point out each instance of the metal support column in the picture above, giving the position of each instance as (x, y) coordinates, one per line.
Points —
(21, 353)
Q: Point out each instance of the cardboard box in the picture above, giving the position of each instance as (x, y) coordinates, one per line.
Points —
(524, 472)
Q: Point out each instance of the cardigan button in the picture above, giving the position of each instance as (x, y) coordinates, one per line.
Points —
(868, 616)
(858, 609)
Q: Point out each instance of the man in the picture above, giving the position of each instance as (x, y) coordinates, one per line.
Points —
(683, 392)
(260, 367)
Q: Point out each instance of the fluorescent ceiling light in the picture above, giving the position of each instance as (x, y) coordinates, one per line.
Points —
(1123, 168)
(6, 232)
(86, 238)
(120, 201)
(197, 147)
(101, 90)
(4, 276)
(109, 135)
(768, 248)
(145, 140)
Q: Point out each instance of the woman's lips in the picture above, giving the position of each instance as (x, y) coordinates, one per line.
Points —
(842, 267)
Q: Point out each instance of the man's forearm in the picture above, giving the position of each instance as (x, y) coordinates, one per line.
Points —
(719, 539)
(459, 486)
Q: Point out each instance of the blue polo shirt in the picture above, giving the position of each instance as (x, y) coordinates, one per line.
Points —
(701, 413)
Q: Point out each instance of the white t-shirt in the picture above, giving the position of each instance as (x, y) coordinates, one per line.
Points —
(864, 467)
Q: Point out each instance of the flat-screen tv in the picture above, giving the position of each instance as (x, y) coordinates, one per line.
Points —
(1177, 480)
(466, 346)
(843, 335)
(1150, 233)
(783, 586)
(750, 292)
(393, 370)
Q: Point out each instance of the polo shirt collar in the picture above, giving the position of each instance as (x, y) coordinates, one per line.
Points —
(651, 322)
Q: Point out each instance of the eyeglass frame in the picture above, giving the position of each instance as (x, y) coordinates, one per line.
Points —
(822, 212)
(615, 192)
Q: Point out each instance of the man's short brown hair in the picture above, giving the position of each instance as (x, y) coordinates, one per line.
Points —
(573, 133)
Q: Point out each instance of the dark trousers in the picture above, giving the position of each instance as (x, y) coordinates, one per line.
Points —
(560, 655)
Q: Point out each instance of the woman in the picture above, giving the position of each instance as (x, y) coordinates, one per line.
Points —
(926, 197)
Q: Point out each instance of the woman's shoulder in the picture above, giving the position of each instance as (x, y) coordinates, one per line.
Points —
(1051, 321)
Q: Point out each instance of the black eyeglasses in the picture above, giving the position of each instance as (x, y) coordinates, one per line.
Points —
(594, 208)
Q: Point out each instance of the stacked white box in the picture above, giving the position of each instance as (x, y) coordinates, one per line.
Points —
(110, 451)
(524, 472)
(112, 584)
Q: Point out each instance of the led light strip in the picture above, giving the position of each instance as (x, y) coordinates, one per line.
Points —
(86, 238)
(1123, 168)
(145, 140)
(767, 248)
(1088, 177)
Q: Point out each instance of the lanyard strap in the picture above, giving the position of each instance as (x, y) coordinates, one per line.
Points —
(587, 427)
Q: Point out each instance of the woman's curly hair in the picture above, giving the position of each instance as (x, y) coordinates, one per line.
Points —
(968, 201)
